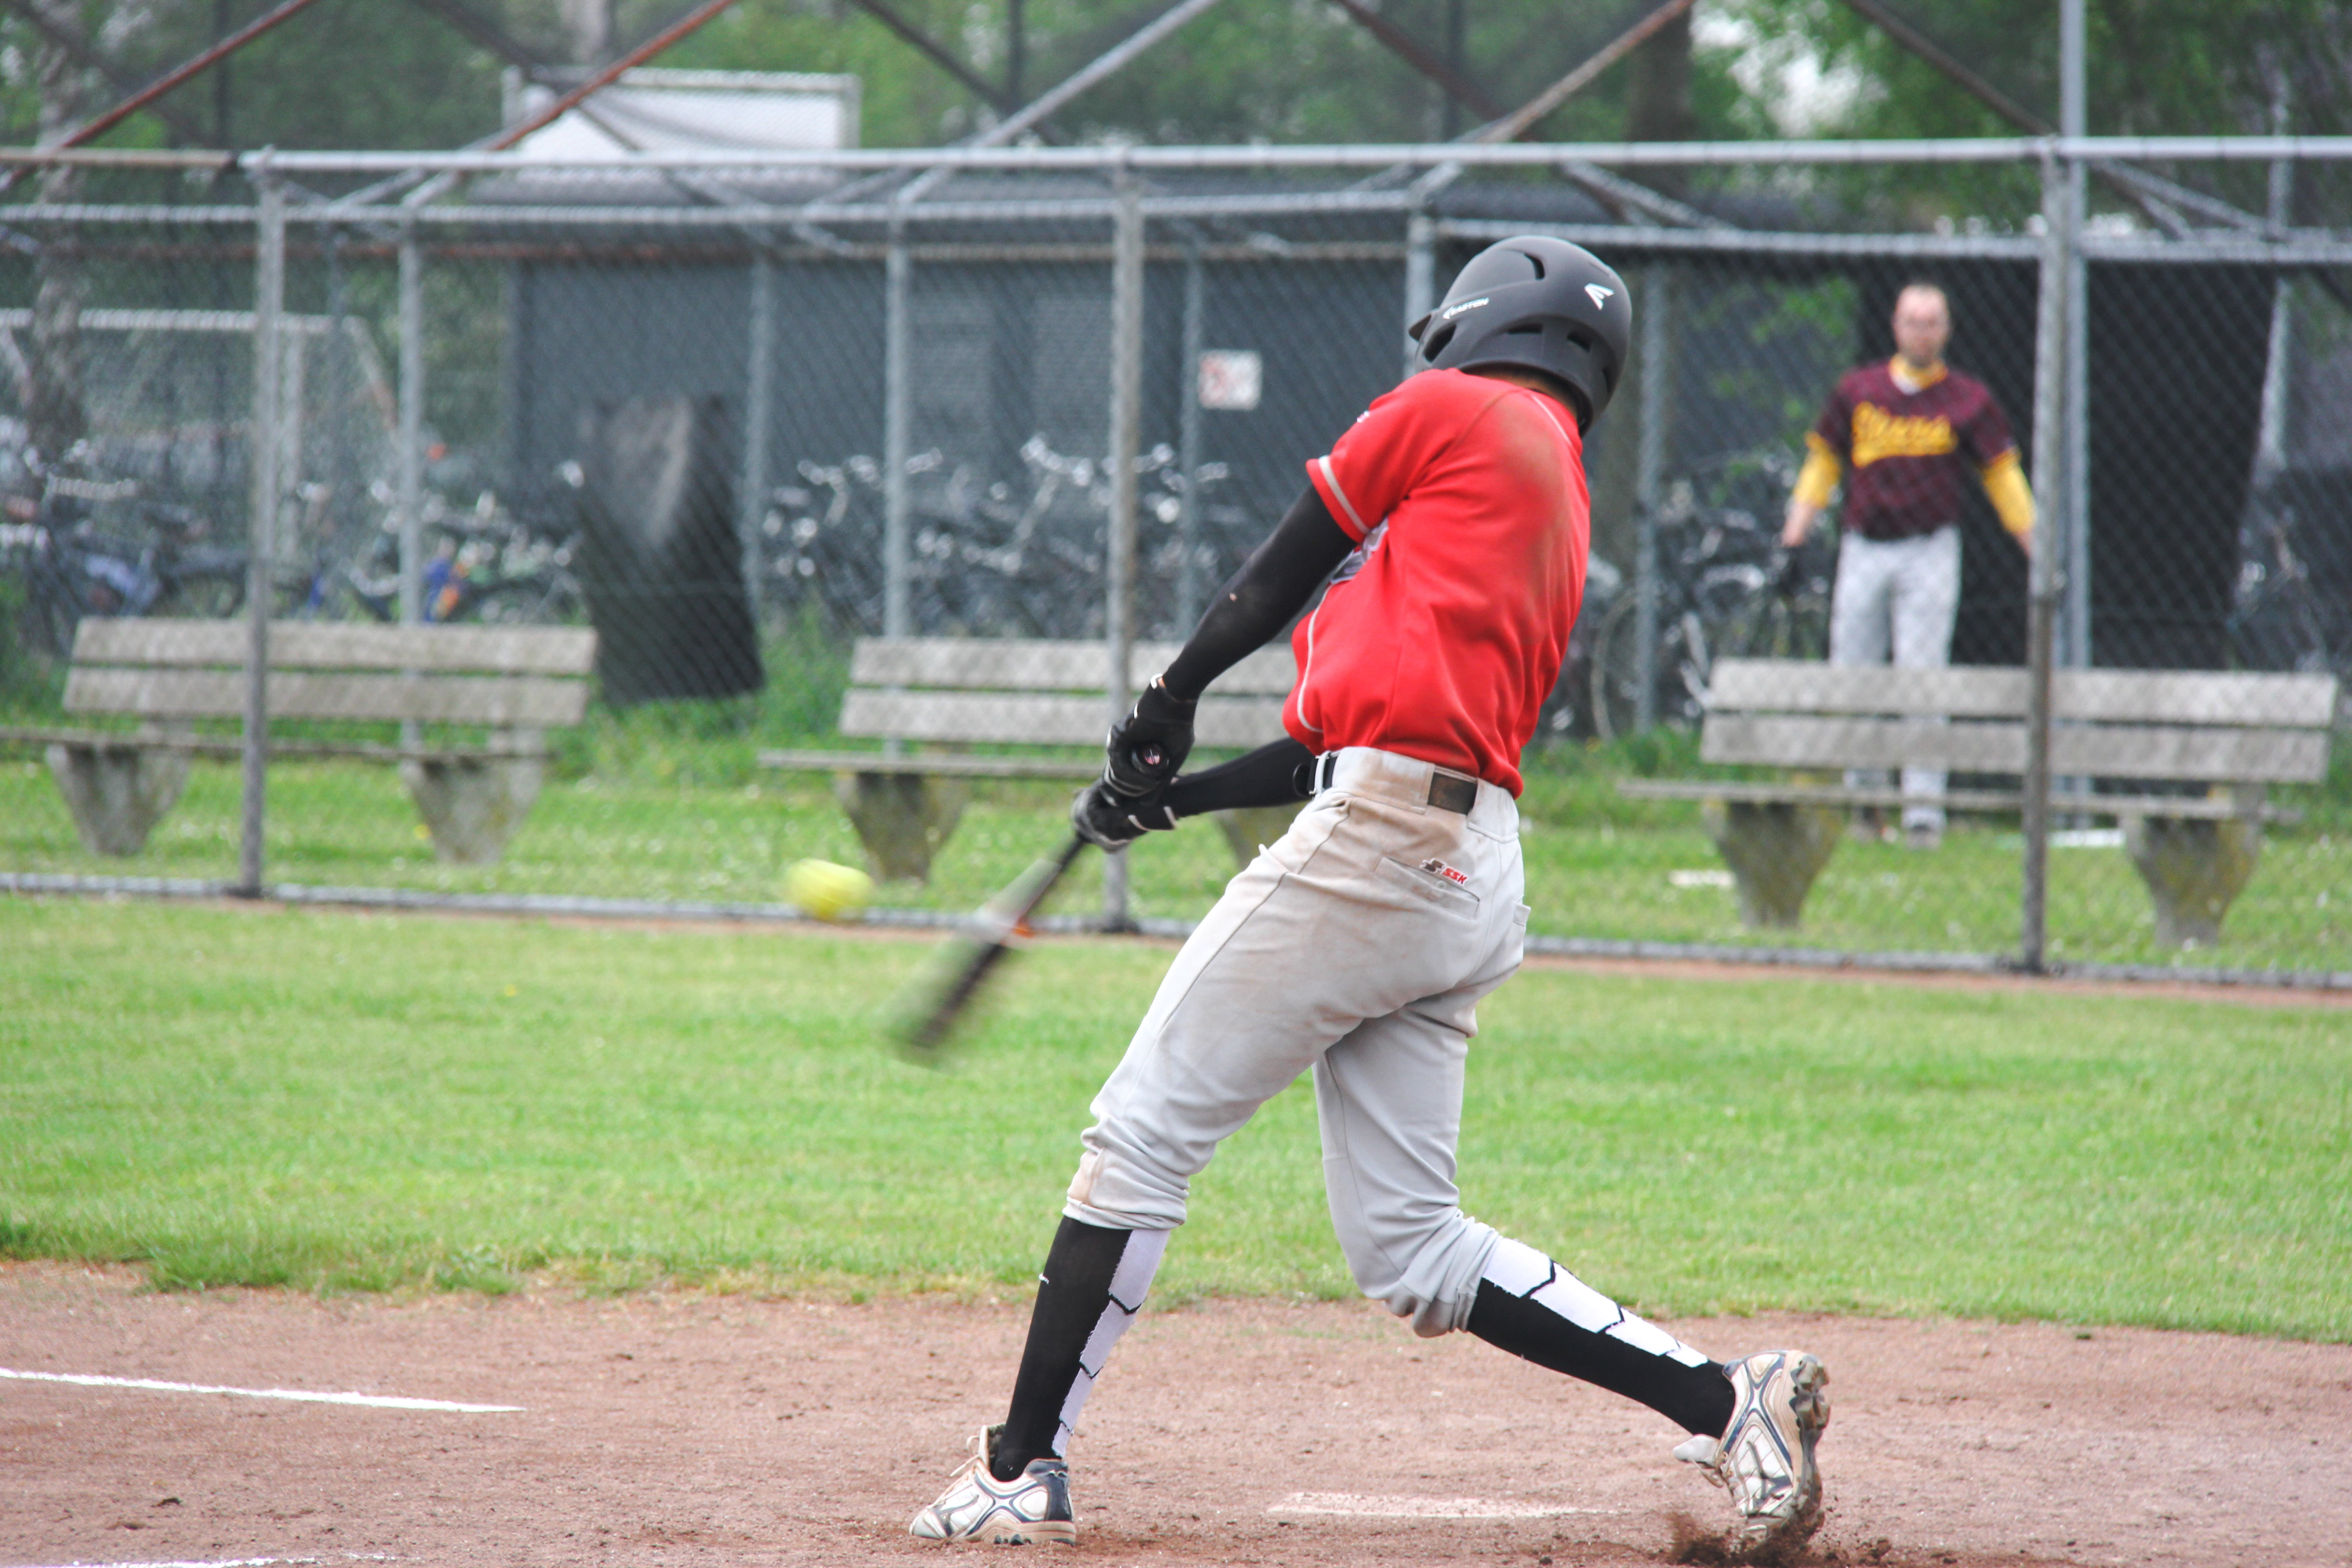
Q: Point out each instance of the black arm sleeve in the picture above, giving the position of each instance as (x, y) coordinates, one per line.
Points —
(1267, 776)
(1273, 586)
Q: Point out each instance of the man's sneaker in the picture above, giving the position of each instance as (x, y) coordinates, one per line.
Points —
(1034, 1506)
(1765, 1457)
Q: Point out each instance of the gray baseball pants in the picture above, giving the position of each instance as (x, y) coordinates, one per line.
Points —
(1898, 597)
(1349, 949)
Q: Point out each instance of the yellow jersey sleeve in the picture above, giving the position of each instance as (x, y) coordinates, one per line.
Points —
(2004, 483)
(1818, 480)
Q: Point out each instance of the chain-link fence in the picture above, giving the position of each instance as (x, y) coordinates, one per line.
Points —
(871, 458)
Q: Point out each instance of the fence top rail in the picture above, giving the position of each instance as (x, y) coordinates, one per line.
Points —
(556, 651)
(2296, 249)
(1372, 155)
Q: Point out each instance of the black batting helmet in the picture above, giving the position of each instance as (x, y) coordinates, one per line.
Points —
(1537, 303)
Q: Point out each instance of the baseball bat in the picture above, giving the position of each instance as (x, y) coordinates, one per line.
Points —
(976, 948)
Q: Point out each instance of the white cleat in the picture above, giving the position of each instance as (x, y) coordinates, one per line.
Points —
(1034, 1506)
(1765, 1457)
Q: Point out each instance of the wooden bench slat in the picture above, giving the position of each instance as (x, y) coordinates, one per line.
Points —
(297, 645)
(2090, 696)
(932, 763)
(2149, 752)
(1016, 664)
(521, 702)
(1804, 686)
(965, 718)
(2193, 697)
(1953, 800)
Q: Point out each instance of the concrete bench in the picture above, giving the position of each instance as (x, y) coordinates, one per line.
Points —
(2234, 734)
(1044, 703)
(514, 683)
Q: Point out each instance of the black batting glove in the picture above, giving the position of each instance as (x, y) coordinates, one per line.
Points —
(1150, 744)
(1108, 820)
(1789, 572)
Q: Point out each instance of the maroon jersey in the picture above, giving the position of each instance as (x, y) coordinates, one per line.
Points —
(1905, 451)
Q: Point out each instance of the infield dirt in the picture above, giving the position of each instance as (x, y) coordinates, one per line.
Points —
(689, 1429)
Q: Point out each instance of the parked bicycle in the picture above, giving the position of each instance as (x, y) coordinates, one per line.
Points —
(487, 565)
(69, 537)
(1009, 557)
(1726, 590)
(2293, 607)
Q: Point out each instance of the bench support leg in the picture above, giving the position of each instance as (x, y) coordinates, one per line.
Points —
(901, 818)
(1774, 850)
(1251, 826)
(118, 793)
(472, 805)
(2194, 867)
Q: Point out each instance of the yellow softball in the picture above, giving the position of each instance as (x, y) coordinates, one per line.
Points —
(827, 891)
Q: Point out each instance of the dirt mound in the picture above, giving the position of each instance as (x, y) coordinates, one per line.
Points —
(694, 1430)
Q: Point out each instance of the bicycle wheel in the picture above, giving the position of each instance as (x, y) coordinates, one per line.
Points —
(1616, 679)
(51, 619)
(203, 596)
(1770, 625)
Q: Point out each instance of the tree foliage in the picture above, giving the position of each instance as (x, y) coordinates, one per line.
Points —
(389, 74)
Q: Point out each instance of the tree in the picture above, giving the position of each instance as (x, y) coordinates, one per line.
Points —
(2152, 67)
(55, 416)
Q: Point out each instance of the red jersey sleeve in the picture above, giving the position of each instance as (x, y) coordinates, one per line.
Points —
(1986, 433)
(1370, 467)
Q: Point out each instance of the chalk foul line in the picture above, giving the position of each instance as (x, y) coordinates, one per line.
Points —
(303, 1395)
(243, 1562)
(1355, 1505)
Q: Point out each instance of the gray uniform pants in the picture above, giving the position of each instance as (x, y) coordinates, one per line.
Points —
(1898, 597)
(1347, 948)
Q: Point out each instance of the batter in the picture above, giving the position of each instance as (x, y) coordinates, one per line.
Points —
(1452, 523)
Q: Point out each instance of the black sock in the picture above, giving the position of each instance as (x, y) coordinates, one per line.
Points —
(1092, 1286)
(1697, 1398)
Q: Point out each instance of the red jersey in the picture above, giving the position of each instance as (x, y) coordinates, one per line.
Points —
(1905, 448)
(1442, 634)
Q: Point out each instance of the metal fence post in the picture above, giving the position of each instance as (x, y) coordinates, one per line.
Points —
(1419, 280)
(2052, 524)
(1188, 445)
(896, 423)
(759, 403)
(2271, 442)
(1125, 437)
(263, 447)
(2071, 120)
(1649, 475)
(410, 494)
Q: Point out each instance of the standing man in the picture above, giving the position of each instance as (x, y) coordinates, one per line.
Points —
(1906, 428)
(1454, 513)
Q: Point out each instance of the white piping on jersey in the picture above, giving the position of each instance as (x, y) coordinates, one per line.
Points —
(1346, 505)
(1298, 692)
(1360, 557)
(1543, 405)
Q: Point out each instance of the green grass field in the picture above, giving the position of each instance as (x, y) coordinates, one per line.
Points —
(338, 1101)
(697, 821)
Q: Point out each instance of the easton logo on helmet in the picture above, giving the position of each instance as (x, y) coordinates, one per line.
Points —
(1600, 295)
(1453, 311)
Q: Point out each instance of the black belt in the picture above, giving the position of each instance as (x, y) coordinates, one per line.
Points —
(1447, 791)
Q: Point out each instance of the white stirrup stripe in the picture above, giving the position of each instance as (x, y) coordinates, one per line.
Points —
(1529, 1275)
(1138, 1260)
